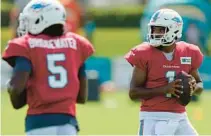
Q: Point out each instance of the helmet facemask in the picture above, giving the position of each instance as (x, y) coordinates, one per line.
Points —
(23, 26)
(165, 38)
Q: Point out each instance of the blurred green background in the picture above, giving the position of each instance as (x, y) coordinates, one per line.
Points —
(115, 114)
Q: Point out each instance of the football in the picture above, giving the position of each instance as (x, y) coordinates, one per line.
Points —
(185, 97)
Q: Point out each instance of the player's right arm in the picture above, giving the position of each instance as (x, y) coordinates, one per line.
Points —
(138, 91)
(17, 55)
(138, 57)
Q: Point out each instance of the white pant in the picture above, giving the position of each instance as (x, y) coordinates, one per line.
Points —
(66, 129)
(165, 123)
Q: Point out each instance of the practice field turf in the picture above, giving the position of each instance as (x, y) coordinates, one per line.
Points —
(114, 114)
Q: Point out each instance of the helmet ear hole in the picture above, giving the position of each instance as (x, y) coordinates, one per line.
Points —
(37, 21)
(167, 30)
(176, 37)
(176, 31)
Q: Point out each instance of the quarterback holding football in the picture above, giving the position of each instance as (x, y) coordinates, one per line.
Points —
(165, 75)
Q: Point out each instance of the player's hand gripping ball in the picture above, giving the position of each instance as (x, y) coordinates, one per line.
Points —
(187, 90)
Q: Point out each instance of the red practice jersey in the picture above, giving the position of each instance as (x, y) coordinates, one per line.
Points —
(53, 85)
(160, 71)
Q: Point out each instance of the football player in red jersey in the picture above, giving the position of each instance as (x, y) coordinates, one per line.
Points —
(156, 64)
(49, 71)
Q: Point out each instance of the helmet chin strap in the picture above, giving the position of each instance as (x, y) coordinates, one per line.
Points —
(169, 43)
(165, 44)
(160, 47)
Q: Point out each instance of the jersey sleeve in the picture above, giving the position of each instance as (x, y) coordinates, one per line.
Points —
(15, 48)
(87, 48)
(137, 57)
(197, 57)
(22, 64)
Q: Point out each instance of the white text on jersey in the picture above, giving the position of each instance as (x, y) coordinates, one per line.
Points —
(53, 44)
(171, 66)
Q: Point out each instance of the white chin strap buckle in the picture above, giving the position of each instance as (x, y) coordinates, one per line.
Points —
(155, 43)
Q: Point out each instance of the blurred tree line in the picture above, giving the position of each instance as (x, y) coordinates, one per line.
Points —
(103, 17)
(127, 16)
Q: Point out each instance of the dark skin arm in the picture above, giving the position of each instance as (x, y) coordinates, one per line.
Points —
(83, 92)
(16, 87)
(138, 91)
(196, 89)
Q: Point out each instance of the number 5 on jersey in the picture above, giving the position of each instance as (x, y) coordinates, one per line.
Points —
(56, 70)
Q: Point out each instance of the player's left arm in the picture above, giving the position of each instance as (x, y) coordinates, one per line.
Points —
(82, 94)
(196, 83)
(86, 50)
(17, 83)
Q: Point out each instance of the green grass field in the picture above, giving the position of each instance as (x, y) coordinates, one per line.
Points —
(115, 113)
